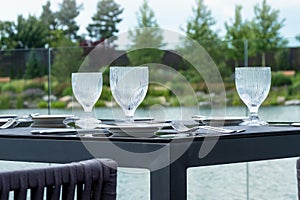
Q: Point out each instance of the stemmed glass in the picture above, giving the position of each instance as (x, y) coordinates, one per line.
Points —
(253, 85)
(87, 88)
(129, 86)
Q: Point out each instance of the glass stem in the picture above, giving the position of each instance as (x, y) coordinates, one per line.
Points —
(87, 114)
(129, 119)
(129, 115)
(253, 113)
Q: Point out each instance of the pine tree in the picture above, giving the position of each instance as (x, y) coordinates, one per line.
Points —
(199, 31)
(105, 21)
(266, 25)
(30, 32)
(237, 33)
(33, 67)
(199, 27)
(68, 11)
(147, 38)
(48, 17)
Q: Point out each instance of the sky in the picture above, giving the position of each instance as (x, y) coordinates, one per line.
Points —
(170, 14)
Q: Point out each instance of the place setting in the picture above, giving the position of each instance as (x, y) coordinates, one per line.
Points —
(129, 86)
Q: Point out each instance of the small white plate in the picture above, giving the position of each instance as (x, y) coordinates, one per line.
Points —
(50, 117)
(297, 124)
(51, 121)
(226, 120)
(8, 116)
(63, 131)
(134, 129)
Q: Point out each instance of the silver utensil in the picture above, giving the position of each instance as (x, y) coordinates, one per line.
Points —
(10, 122)
(181, 128)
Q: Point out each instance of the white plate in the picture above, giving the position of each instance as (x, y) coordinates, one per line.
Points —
(41, 125)
(62, 131)
(134, 130)
(8, 116)
(226, 120)
(50, 117)
(52, 121)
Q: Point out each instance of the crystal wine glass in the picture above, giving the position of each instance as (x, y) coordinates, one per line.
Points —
(129, 86)
(253, 85)
(87, 88)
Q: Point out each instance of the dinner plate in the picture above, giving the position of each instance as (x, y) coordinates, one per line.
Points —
(5, 116)
(62, 131)
(114, 121)
(226, 120)
(134, 129)
(50, 117)
(51, 121)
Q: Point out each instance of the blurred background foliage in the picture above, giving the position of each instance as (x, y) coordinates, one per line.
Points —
(40, 50)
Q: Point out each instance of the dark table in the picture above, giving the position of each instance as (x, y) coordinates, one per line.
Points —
(166, 158)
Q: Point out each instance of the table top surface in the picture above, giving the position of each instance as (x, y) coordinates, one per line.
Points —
(256, 143)
(263, 131)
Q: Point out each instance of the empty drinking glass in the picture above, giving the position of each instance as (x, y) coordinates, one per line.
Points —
(253, 85)
(129, 86)
(87, 88)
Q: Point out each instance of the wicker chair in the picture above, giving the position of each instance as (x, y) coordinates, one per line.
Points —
(298, 176)
(91, 179)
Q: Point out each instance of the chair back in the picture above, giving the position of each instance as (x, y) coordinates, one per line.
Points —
(93, 179)
(298, 176)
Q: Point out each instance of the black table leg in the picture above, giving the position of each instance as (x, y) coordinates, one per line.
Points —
(169, 183)
(160, 184)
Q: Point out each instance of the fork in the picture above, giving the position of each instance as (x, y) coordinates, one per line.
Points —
(180, 127)
(10, 122)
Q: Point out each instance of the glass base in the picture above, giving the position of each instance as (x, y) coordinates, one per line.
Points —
(87, 123)
(254, 123)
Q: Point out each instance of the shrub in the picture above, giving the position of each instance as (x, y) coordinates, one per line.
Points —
(279, 79)
(100, 103)
(59, 88)
(20, 102)
(174, 101)
(34, 85)
(150, 101)
(58, 104)
(67, 91)
(4, 101)
(158, 91)
(42, 104)
(106, 94)
(8, 87)
(33, 93)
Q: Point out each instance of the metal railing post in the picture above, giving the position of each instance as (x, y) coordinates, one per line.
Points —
(49, 80)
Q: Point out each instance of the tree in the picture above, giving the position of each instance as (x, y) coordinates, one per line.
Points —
(25, 33)
(237, 33)
(199, 27)
(68, 11)
(67, 59)
(146, 39)
(7, 33)
(29, 33)
(33, 67)
(105, 20)
(48, 17)
(266, 25)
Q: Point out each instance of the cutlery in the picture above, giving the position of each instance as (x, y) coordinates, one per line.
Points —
(182, 128)
(10, 122)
